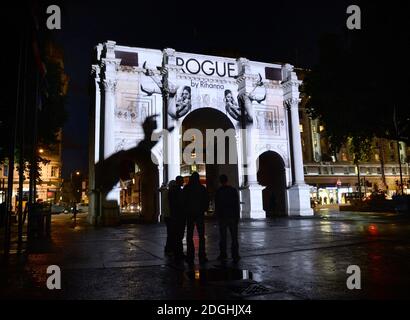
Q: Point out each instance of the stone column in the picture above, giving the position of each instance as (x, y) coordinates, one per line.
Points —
(173, 139)
(293, 105)
(298, 193)
(94, 146)
(109, 116)
(110, 208)
(250, 190)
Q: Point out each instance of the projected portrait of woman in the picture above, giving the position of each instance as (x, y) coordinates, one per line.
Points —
(183, 103)
(231, 105)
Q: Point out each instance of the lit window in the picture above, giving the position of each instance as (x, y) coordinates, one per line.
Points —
(54, 171)
(6, 170)
(376, 157)
(301, 127)
(321, 128)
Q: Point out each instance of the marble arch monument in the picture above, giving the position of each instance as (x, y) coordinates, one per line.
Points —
(132, 83)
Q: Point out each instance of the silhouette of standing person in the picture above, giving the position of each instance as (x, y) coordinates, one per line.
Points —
(166, 211)
(178, 216)
(2, 213)
(196, 202)
(75, 211)
(227, 211)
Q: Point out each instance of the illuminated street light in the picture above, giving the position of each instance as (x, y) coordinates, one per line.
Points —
(41, 150)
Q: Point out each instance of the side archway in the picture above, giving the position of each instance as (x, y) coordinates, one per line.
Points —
(139, 187)
(272, 176)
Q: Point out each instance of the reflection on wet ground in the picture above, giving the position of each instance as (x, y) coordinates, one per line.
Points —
(282, 258)
(218, 274)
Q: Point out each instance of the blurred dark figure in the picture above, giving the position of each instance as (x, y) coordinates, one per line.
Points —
(178, 216)
(2, 214)
(166, 212)
(196, 202)
(227, 211)
(75, 211)
(272, 204)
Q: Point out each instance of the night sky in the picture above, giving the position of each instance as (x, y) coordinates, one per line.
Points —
(283, 31)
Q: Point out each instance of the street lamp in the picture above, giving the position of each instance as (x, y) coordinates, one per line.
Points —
(398, 133)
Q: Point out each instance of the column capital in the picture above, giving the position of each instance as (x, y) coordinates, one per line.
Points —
(110, 85)
(110, 66)
(291, 103)
(95, 69)
(291, 84)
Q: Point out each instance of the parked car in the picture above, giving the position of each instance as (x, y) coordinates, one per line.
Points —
(132, 208)
(82, 207)
(57, 209)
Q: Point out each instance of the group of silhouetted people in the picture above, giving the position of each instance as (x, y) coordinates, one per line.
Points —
(185, 207)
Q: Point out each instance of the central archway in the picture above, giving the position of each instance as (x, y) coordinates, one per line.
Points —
(203, 119)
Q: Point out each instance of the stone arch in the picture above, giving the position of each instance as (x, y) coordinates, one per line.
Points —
(215, 110)
(149, 180)
(271, 174)
(139, 184)
(212, 118)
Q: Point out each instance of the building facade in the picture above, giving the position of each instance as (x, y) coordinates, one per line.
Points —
(48, 190)
(255, 104)
(334, 178)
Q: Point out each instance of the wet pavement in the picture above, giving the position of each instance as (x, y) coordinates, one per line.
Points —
(283, 258)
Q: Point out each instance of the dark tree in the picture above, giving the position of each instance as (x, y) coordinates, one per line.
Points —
(362, 76)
